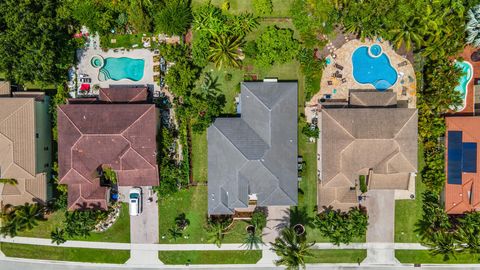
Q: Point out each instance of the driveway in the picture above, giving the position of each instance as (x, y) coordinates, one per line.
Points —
(144, 227)
(381, 225)
(277, 219)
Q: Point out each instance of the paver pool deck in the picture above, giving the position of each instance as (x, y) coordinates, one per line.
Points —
(406, 81)
(85, 67)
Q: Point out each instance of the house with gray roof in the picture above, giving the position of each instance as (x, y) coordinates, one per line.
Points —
(371, 137)
(253, 157)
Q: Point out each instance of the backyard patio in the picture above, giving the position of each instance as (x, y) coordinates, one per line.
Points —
(339, 74)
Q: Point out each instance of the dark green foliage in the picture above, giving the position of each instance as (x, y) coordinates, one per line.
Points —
(174, 17)
(217, 228)
(58, 236)
(311, 132)
(292, 249)
(35, 41)
(276, 45)
(342, 227)
(259, 220)
(363, 183)
(311, 69)
(200, 48)
(20, 218)
(80, 223)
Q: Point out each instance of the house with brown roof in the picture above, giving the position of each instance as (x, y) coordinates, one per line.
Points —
(370, 138)
(114, 132)
(462, 188)
(25, 147)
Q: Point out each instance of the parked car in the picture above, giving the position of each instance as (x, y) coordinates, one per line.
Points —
(135, 201)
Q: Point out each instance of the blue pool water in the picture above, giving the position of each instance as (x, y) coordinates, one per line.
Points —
(122, 68)
(372, 66)
(467, 70)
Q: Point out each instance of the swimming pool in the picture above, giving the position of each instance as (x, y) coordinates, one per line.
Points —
(372, 66)
(467, 70)
(121, 68)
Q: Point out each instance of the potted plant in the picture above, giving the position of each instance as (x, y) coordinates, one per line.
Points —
(299, 229)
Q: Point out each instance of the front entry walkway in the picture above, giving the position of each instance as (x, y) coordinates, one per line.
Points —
(381, 221)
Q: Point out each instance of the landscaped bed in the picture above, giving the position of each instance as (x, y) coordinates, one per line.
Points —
(409, 212)
(210, 257)
(424, 256)
(337, 256)
(65, 254)
(119, 232)
(193, 203)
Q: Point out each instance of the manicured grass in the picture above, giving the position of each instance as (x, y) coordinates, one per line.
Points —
(119, 232)
(424, 256)
(199, 156)
(121, 41)
(408, 212)
(337, 256)
(280, 7)
(210, 257)
(65, 254)
(193, 203)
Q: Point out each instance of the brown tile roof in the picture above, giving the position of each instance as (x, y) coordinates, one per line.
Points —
(466, 196)
(122, 136)
(5, 88)
(123, 95)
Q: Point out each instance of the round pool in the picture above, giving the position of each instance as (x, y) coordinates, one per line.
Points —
(97, 61)
(375, 50)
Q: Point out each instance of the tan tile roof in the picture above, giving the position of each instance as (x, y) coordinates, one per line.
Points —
(123, 95)
(17, 138)
(355, 140)
(26, 191)
(4, 88)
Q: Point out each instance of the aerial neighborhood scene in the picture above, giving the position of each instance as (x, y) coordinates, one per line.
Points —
(239, 134)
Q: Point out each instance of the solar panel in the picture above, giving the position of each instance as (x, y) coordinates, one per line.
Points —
(469, 159)
(455, 148)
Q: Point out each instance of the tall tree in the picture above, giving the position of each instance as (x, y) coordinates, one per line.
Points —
(292, 249)
(225, 51)
(174, 17)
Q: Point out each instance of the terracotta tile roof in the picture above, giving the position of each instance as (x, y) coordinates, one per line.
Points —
(123, 95)
(465, 196)
(122, 136)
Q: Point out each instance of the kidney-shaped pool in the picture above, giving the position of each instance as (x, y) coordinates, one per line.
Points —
(372, 66)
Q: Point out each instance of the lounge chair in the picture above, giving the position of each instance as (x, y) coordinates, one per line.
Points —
(340, 67)
(404, 91)
(402, 64)
(344, 80)
(329, 82)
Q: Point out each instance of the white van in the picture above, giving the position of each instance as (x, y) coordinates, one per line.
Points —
(135, 201)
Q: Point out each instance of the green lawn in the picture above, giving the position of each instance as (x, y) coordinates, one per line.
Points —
(424, 256)
(193, 203)
(119, 232)
(337, 256)
(65, 254)
(199, 157)
(408, 212)
(280, 7)
(210, 257)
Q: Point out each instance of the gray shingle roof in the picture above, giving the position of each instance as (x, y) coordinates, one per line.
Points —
(257, 152)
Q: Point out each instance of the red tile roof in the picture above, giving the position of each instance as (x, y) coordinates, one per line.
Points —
(464, 197)
(123, 95)
(122, 136)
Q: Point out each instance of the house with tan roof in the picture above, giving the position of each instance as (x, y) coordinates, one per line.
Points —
(370, 138)
(462, 188)
(116, 131)
(25, 147)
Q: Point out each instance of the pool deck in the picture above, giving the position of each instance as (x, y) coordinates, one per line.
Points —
(85, 67)
(406, 81)
(470, 106)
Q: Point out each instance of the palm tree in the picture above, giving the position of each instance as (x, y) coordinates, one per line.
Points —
(225, 51)
(253, 240)
(473, 26)
(407, 35)
(58, 236)
(244, 24)
(210, 87)
(27, 215)
(8, 181)
(216, 233)
(175, 232)
(292, 249)
(443, 243)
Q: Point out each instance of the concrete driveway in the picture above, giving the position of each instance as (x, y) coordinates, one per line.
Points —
(144, 227)
(381, 226)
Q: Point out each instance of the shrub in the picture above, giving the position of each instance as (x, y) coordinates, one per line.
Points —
(228, 77)
(263, 7)
(363, 183)
(311, 132)
(259, 220)
(276, 45)
(342, 227)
